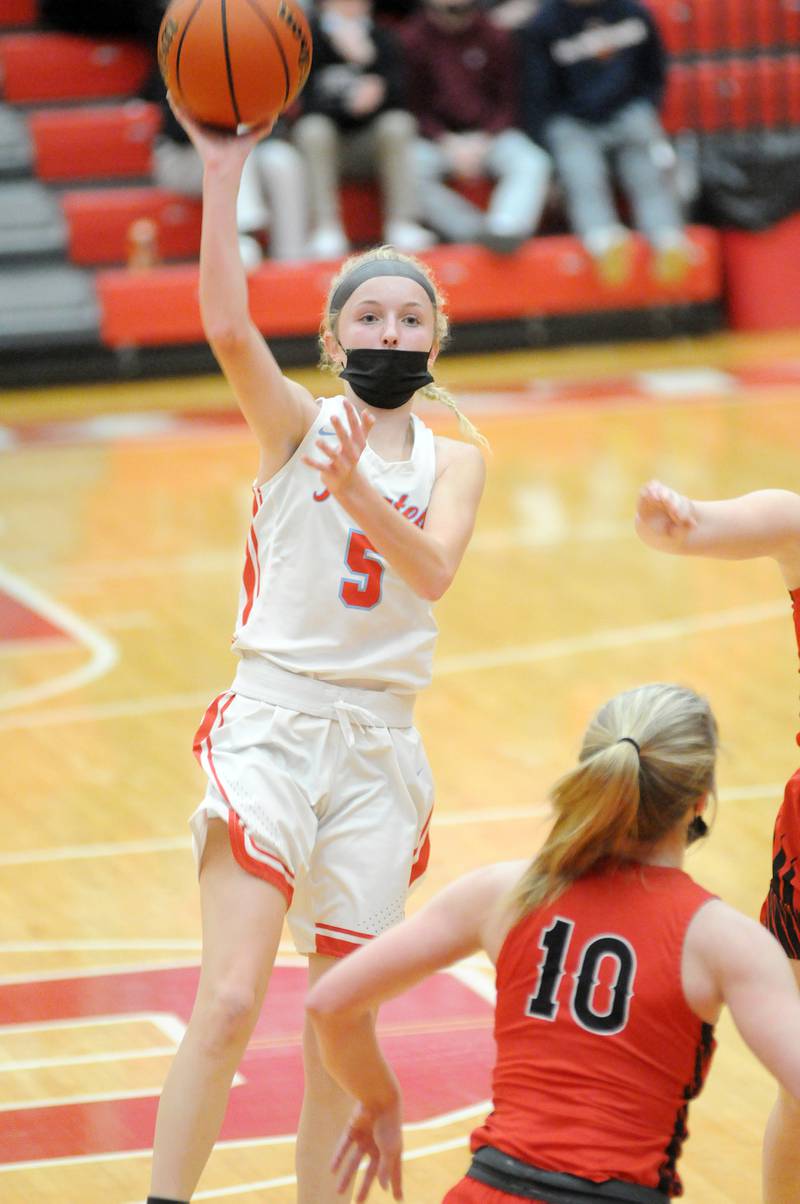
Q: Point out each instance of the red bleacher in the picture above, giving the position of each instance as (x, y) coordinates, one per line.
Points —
(45, 67)
(98, 221)
(713, 95)
(18, 13)
(94, 143)
(546, 277)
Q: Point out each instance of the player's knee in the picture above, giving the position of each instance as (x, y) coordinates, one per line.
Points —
(230, 1011)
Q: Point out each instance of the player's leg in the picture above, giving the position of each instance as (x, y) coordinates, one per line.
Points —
(325, 1112)
(781, 1167)
(236, 965)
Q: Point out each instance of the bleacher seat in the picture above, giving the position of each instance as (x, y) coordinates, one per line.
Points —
(98, 221)
(93, 143)
(546, 277)
(46, 67)
(18, 13)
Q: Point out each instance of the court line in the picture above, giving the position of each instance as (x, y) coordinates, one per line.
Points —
(442, 1121)
(103, 652)
(173, 844)
(614, 637)
(499, 658)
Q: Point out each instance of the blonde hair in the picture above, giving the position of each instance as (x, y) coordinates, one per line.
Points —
(330, 319)
(617, 800)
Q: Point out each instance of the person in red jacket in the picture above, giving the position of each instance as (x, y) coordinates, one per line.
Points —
(763, 523)
(612, 968)
(463, 73)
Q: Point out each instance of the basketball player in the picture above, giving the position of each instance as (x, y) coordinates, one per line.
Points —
(319, 792)
(612, 969)
(764, 523)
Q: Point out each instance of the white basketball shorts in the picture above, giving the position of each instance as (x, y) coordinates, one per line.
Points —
(327, 794)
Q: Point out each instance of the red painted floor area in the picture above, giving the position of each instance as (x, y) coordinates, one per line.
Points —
(438, 1037)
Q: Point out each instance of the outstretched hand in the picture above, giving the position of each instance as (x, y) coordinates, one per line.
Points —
(338, 464)
(218, 146)
(664, 516)
(379, 1138)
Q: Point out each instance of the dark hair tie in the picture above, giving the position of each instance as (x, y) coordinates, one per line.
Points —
(630, 740)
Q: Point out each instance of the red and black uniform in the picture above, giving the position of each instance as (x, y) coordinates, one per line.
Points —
(780, 912)
(598, 1052)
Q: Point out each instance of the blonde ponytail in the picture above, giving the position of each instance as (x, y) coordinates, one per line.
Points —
(647, 756)
(432, 392)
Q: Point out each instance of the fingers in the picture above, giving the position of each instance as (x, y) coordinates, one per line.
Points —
(349, 1166)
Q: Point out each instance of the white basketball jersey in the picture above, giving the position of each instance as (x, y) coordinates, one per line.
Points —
(316, 597)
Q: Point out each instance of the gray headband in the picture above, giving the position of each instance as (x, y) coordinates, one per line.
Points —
(377, 267)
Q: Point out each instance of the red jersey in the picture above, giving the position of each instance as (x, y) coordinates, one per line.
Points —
(598, 1052)
(780, 912)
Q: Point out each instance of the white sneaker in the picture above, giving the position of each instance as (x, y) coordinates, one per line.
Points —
(408, 236)
(250, 252)
(327, 242)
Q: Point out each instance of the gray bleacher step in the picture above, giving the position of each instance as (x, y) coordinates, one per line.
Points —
(31, 221)
(16, 151)
(47, 306)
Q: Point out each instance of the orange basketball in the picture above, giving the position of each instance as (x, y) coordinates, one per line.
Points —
(234, 62)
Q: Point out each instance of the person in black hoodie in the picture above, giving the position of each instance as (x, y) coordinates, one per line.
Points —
(593, 78)
(355, 124)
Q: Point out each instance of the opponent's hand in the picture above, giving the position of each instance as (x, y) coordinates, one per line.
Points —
(338, 465)
(378, 1137)
(663, 516)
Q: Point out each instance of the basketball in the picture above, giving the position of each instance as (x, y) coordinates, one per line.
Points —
(234, 62)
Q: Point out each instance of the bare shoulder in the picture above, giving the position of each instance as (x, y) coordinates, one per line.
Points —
(457, 457)
(719, 934)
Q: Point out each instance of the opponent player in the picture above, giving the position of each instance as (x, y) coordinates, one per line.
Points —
(612, 968)
(319, 794)
(764, 523)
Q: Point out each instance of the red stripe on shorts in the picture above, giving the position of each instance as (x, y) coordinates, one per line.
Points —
(259, 869)
(422, 853)
(331, 946)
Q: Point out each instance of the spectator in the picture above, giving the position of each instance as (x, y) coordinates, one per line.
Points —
(463, 88)
(593, 78)
(354, 125)
(103, 18)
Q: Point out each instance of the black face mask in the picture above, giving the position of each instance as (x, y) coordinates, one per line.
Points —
(386, 377)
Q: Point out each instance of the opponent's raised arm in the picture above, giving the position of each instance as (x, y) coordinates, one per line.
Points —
(278, 410)
(763, 523)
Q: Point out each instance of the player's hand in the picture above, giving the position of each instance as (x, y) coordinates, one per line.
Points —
(217, 146)
(663, 516)
(337, 464)
(378, 1137)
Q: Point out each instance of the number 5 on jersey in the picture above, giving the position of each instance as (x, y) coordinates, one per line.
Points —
(364, 589)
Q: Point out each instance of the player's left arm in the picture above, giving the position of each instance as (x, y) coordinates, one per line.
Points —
(426, 558)
(451, 926)
(763, 523)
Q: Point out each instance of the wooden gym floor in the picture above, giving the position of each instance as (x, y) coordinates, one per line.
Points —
(124, 510)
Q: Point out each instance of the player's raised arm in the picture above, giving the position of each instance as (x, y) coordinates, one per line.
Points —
(278, 410)
(763, 523)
